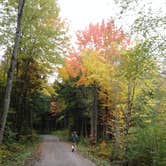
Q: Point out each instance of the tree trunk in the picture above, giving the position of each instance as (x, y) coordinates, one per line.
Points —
(105, 123)
(128, 107)
(94, 116)
(86, 129)
(130, 100)
(11, 70)
(82, 127)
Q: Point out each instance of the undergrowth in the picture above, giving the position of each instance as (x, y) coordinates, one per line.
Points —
(15, 153)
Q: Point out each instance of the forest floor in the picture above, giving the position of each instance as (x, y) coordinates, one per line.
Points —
(53, 152)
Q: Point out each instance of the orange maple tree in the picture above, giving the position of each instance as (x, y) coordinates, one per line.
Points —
(102, 39)
(95, 63)
(105, 38)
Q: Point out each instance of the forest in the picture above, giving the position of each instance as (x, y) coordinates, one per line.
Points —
(109, 85)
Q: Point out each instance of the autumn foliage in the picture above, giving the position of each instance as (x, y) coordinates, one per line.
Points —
(95, 64)
(101, 42)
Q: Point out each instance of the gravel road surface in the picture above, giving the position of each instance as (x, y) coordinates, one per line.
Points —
(57, 153)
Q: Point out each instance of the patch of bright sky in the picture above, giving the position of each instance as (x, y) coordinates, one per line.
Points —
(80, 13)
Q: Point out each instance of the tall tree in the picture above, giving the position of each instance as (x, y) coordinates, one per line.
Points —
(11, 69)
(43, 51)
(101, 44)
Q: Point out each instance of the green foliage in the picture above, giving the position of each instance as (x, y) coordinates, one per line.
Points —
(37, 56)
(43, 17)
(99, 154)
(15, 153)
(75, 104)
(148, 23)
(9, 135)
(147, 145)
(62, 134)
(40, 17)
(40, 103)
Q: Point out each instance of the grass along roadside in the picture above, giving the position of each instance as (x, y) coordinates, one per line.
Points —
(98, 154)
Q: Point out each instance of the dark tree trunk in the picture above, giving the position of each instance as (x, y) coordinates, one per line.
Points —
(82, 127)
(86, 128)
(11, 70)
(106, 119)
(94, 116)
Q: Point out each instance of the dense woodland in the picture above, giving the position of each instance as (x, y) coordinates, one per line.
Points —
(110, 86)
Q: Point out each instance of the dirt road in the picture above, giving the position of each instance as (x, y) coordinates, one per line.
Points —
(56, 153)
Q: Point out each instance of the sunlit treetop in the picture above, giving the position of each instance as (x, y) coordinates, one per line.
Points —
(102, 36)
(99, 46)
